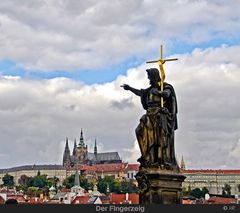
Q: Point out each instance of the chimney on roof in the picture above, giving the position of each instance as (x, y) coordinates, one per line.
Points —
(126, 196)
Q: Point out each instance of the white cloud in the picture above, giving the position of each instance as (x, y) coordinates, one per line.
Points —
(70, 35)
(131, 155)
(37, 115)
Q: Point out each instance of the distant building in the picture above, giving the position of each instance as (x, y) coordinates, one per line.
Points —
(213, 180)
(31, 170)
(124, 198)
(131, 171)
(120, 171)
(115, 170)
(80, 155)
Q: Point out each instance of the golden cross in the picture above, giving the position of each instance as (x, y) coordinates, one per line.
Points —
(160, 62)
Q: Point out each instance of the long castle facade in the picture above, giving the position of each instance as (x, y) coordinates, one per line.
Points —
(81, 156)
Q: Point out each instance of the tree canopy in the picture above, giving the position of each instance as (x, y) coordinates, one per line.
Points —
(8, 180)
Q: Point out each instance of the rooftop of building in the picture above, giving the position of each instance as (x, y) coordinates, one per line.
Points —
(132, 167)
(81, 200)
(103, 156)
(222, 200)
(120, 198)
(33, 167)
(2, 201)
(213, 171)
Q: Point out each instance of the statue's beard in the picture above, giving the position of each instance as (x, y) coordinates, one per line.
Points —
(153, 83)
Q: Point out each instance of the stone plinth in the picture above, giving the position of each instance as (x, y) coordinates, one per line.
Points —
(159, 186)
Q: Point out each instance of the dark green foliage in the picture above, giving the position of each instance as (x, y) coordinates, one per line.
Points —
(8, 180)
(69, 182)
(52, 182)
(226, 190)
(205, 191)
(103, 183)
(32, 191)
(34, 186)
(198, 193)
(85, 184)
(116, 186)
(39, 181)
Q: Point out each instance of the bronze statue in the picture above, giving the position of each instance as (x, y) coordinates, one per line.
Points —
(155, 132)
(159, 177)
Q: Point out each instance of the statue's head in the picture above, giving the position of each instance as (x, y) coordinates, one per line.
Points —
(153, 76)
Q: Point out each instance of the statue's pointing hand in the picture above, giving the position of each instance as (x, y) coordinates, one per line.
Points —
(125, 86)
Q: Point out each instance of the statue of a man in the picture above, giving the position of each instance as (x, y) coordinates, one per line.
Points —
(155, 132)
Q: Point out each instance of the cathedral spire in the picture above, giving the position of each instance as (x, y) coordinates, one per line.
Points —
(74, 147)
(95, 147)
(81, 142)
(182, 165)
(66, 154)
(66, 146)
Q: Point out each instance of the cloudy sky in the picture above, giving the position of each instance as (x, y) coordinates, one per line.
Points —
(62, 64)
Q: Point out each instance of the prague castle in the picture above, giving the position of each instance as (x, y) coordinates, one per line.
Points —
(98, 165)
(81, 156)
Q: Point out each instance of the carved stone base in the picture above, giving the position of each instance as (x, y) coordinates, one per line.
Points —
(159, 186)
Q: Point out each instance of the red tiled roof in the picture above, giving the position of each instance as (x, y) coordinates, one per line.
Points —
(8, 191)
(132, 167)
(2, 201)
(222, 200)
(80, 200)
(65, 190)
(134, 198)
(113, 167)
(120, 198)
(220, 171)
(87, 167)
(19, 198)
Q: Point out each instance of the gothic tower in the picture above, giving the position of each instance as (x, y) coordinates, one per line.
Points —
(74, 147)
(81, 151)
(66, 155)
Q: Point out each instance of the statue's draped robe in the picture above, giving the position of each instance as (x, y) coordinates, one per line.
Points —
(155, 133)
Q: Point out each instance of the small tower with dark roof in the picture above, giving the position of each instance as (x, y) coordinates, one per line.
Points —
(66, 155)
(182, 165)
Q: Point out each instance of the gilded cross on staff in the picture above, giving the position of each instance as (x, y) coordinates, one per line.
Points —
(160, 62)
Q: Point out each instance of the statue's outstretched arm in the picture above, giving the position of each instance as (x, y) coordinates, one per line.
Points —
(133, 90)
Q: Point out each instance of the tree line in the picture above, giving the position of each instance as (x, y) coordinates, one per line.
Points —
(40, 184)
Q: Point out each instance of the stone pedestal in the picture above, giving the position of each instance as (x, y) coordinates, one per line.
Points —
(159, 186)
